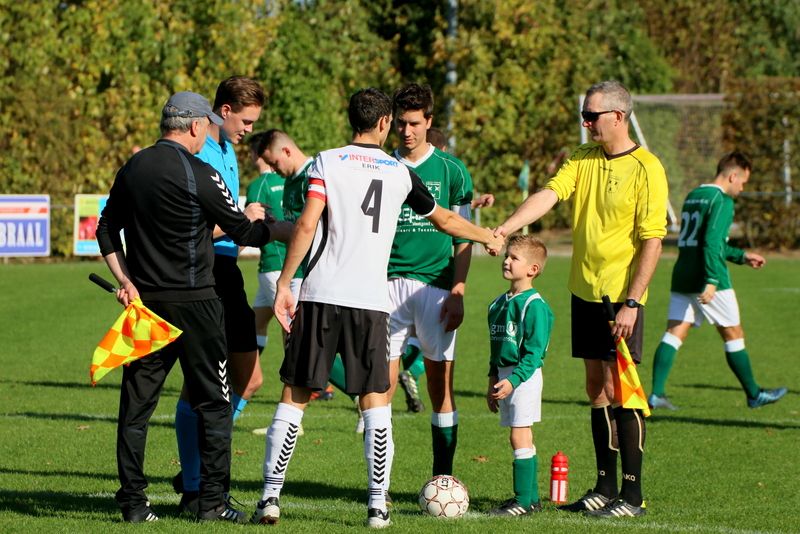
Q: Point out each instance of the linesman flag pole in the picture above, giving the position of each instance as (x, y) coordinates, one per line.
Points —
(135, 334)
(628, 389)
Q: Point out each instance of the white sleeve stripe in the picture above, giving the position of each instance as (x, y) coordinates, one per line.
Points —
(465, 210)
(525, 311)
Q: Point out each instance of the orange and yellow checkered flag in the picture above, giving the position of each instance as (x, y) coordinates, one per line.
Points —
(135, 334)
(628, 389)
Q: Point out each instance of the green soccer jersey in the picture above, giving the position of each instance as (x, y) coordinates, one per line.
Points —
(268, 190)
(294, 200)
(703, 242)
(519, 333)
(294, 193)
(419, 251)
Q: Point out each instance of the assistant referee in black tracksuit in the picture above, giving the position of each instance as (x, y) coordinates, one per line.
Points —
(167, 202)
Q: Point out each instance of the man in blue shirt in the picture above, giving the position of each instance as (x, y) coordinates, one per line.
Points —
(238, 101)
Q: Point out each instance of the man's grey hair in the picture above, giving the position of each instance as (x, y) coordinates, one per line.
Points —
(615, 96)
(179, 124)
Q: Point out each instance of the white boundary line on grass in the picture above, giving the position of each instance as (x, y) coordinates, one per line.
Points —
(781, 289)
(557, 517)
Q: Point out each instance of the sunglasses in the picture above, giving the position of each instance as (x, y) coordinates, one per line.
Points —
(591, 116)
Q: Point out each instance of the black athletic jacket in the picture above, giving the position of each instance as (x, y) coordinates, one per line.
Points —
(168, 202)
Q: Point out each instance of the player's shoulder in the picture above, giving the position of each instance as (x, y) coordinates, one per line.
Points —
(535, 300)
(330, 153)
(452, 166)
(202, 167)
(451, 160)
(532, 296)
(347, 153)
(257, 181)
(709, 192)
(501, 297)
(587, 150)
(273, 178)
(210, 149)
(357, 157)
(647, 160)
(498, 300)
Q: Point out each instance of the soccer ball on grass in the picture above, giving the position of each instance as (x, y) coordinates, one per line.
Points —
(444, 496)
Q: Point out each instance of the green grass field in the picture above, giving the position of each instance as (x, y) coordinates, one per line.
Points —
(712, 466)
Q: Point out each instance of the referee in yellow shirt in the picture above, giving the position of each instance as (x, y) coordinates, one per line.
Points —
(619, 194)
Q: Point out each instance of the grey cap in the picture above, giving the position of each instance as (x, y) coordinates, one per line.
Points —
(189, 104)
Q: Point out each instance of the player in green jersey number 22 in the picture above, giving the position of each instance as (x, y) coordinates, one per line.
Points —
(701, 285)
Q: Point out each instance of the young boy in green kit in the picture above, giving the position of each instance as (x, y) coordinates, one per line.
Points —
(520, 322)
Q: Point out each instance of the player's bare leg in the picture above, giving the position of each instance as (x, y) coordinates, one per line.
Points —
(263, 316)
(246, 376)
(413, 402)
(394, 371)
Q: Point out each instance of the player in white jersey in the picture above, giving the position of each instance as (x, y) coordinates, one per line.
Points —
(347, 226)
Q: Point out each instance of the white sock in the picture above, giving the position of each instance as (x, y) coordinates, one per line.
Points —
(522, 454)
(379, 452)
(672, 340)
(734, 345)
(445, 419)
(281, 440)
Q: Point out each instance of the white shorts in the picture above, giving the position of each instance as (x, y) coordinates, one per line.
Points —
(265, 296)
(524, 406)
(415, 309)
(723, 310)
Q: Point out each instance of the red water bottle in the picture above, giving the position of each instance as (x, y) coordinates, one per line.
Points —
(559, 469)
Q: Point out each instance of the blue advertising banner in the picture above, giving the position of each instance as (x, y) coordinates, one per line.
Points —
(24, 225)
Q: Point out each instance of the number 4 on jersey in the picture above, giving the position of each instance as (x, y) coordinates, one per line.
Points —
(371, 205)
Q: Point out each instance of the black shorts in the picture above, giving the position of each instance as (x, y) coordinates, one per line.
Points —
(320, 330)
(591, 335)
(240, 321)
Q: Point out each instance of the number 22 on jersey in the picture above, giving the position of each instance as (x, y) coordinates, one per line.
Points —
(690, 224)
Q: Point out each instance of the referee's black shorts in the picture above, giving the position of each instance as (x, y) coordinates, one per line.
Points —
(319, 331)
(591, 334)
(240, 321)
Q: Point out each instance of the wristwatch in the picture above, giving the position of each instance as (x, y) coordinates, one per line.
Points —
(631, 303)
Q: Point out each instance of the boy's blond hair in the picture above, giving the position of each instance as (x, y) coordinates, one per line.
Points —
(532, 248)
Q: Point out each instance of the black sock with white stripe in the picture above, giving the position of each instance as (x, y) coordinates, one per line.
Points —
(379, 452)
(281, 440)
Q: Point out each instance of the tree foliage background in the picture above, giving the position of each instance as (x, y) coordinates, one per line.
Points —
(83, 81)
